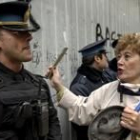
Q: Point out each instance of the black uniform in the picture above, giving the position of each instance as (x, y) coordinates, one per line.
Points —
(26, 109)
(86, 81)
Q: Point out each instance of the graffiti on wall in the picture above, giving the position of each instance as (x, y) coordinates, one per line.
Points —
(109, 35)
(36, 53)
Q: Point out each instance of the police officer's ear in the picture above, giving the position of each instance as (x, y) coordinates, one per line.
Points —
(97, 59)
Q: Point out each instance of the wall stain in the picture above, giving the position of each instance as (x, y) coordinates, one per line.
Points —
(36, 53)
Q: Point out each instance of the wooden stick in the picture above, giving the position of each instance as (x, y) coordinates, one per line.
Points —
(58, 60)
(60, 57)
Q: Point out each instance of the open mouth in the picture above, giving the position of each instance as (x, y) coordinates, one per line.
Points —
(120, 71)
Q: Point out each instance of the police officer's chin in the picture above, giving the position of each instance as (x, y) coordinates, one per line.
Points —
(27, 59)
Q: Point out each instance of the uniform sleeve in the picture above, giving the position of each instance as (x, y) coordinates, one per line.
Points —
(54, 124)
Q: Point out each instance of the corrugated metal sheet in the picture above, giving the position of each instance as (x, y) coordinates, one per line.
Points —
(77, 20)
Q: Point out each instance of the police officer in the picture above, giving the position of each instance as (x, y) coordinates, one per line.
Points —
(26, 108)
(89, 76)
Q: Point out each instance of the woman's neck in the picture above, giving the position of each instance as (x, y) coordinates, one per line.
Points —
(132, 81)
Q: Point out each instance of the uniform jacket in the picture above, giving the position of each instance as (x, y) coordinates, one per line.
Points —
(83, 109)
(87, 80)
(16, 90)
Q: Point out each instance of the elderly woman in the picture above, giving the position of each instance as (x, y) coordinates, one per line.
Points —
(124, 92)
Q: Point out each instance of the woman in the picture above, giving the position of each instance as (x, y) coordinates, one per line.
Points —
(83, 109)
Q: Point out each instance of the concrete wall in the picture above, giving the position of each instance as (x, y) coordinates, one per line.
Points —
(74, 24)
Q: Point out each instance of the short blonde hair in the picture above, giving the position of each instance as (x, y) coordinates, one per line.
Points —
(129, 41)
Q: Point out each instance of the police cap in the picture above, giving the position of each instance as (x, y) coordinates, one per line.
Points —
(93, 48)
(16, 16)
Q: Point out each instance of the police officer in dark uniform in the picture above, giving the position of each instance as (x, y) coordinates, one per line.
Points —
(89, 76)
(26, 108)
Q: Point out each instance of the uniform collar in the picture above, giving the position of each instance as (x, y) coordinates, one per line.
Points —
(7, 70)
(10, 73)
(90, 73)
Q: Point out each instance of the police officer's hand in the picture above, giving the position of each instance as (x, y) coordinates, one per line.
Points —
(131, 119)
(55, 78)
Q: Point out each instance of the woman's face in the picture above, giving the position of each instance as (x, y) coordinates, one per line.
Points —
(128, 63)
